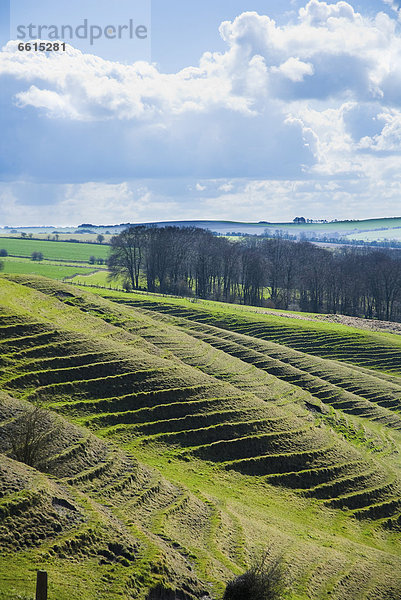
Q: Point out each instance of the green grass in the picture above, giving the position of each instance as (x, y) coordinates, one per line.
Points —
(243, 318)
(246, 429)
(54, 250)
(98, 278)
(380, 235)
(50, 269)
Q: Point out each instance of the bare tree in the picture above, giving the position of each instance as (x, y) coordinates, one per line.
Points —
(127, 255)
(186, 261)
(33, 436)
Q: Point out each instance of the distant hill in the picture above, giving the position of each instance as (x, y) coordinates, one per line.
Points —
(365, 230)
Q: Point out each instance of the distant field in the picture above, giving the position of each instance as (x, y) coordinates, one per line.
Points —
(258, 228)
(225, 227)
(370, 236)
(54, 250)
(46, 269)
(96, 278)
(100, 277)
(81, 237)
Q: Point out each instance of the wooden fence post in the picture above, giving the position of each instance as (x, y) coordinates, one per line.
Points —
(41, 585)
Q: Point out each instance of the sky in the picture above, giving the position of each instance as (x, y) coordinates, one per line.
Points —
(248, 111)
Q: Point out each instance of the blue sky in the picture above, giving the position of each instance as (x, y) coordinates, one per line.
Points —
(234, 110)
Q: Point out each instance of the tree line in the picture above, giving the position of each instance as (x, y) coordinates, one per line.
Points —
(276, 272)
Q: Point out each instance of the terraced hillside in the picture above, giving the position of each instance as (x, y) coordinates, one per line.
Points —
(68, 511)
(249, 429)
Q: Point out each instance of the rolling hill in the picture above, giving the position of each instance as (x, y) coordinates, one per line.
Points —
(193, 436)
(365, 229)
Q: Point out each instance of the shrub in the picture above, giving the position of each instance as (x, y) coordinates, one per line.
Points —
(263, 581)
(3, 252)
(37, 256)
(33, 436)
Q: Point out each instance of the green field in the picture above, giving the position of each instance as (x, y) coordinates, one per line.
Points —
(100, 278)
(371, 227)
(54, 250)
(50, 269)
(194, 434)
(97, 278)
(370, 236)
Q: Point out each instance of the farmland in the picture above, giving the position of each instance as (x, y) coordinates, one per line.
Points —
(194, 435)
(77, 252)
(379, 235)
(72, 237)
(51, 269)
(369, 229)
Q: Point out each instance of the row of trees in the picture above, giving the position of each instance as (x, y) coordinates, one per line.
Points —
(263, 272)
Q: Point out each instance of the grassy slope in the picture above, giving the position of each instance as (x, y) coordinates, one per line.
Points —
(68, 517)
(268, 403)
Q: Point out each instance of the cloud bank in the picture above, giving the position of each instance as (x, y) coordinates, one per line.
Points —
(316, 100)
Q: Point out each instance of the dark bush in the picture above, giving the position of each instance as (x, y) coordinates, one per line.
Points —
(33, 435)
(3, 252)
(264, 581)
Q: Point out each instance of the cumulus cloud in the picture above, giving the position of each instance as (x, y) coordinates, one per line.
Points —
(294, 69)
(91, 202)
(329, 41)
(226, 187)
(316, 97)
(322, 14)
(256, 200)
(97, 89)
(389, 139)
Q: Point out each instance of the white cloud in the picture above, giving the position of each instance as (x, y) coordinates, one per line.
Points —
(318, 98)
(91, 202)
(389, 139)
(322, 14)
(254, 200)
(97, 89)
(294, 69)
(329, 42)
(54, 103)
(226, 187)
